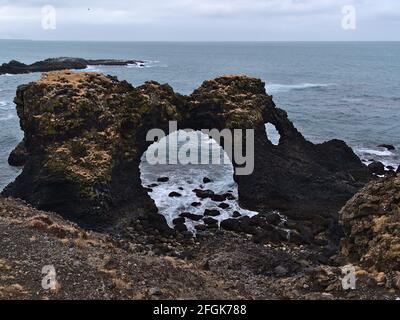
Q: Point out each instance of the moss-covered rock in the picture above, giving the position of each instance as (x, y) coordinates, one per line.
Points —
(85, 134)
(371, 220)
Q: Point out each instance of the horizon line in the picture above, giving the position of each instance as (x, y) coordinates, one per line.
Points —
(195, 41)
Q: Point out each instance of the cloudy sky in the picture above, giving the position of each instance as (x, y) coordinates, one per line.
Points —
(198, 20)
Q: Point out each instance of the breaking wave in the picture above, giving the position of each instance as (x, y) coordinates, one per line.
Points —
(275, 87)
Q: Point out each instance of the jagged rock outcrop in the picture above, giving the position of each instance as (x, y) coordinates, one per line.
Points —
(54, 64)
(371, 220)
(85, 135)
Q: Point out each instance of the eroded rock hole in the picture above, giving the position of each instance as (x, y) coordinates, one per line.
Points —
(272, 133)
(192, 196)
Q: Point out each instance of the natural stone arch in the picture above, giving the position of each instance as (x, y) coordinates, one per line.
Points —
(85, 134)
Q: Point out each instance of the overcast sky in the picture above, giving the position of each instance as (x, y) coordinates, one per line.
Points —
(199, 20)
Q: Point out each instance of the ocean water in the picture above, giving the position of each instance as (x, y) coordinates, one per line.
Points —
(190, 177)
(344, 90)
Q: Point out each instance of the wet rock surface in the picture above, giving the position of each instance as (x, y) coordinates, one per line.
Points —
(387, 146)
(191, 216)
(377, 168)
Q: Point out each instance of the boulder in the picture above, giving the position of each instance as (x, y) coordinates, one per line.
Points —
(191, 216)
(201, 227)
(273, 218)
(211, 212)
(218, 197)
(387, 146)
(210, 221)
(376, 167)
(180, 227)
(231, 225)
(174, 194)
(195, 204)
(178, 220)
(223, 205)
(203, 194)
(371, 221)
(236, 214)
(206, 180)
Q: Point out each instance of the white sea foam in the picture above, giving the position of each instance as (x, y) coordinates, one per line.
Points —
(7, 117)
(381, 153)
(147, 64)
(276, 87)
(352, 100)
(6, 105)
(184, 179)
(388, 158)
(7, 75)
(92, 69)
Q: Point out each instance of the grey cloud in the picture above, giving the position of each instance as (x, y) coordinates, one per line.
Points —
(199, 19)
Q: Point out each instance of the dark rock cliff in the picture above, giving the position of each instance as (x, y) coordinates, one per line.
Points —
(85, 134)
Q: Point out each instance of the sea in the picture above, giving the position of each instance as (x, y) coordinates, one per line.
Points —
(344, 90)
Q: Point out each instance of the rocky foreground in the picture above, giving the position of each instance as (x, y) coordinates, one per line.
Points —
(54, 64)
(142, 265)
(84, 137)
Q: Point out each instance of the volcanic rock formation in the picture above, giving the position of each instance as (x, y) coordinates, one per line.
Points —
(54, 64)
(85, 134)
(371, 220)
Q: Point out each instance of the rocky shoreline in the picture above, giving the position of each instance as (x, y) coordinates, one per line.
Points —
(54, 64)
(84, 135)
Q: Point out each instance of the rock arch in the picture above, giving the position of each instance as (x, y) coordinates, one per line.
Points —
(85, 134)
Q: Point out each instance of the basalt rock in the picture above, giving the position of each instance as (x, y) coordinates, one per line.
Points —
(203, 194)
(196, 204)
(174, 194)
(191, 216)
(371, 221)
(18, 156)
(85, 134)
(211, 212)
(55, 64)
(377, 167)
(223, 205)
(387, 146)
(210, 221)
(236, 214)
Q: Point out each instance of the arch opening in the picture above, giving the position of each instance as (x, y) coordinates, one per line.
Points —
(191, 195)
(273, 134)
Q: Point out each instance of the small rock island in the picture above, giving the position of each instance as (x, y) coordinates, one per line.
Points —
(55, 64)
